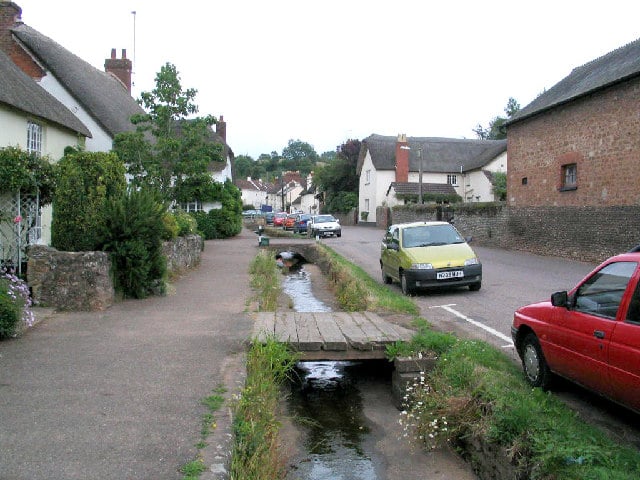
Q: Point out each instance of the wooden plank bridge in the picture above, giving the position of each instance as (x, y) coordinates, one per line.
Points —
(330, 335)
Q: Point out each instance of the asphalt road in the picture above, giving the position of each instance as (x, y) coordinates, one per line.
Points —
(510, 279)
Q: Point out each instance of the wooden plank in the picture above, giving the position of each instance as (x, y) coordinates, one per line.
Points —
(285, 328)
(264, 326)
(374, 335)
(391, 330)
(352, 332)
(309, 338)
(332, 338)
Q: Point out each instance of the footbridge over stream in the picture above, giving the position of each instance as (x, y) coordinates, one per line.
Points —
(330, 335)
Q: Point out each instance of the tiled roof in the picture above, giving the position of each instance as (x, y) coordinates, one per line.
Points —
(614, 67)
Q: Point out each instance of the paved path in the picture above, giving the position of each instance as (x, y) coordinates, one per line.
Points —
(116, 394)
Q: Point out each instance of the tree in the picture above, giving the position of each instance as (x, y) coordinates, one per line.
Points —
(299, 156)
(339, 178)
(167, 148)
(500, 185)
(496, 129)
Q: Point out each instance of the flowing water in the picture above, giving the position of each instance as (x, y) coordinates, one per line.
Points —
(327, 400)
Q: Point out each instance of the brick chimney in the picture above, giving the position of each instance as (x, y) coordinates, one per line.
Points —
(10, 15)
(402, 158)
(120, 67)
(221, 128)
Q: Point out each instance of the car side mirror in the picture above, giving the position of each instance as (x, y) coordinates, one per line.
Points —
(560, 299)
(468, 239)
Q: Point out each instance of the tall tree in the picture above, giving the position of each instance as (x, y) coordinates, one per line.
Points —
(299, 156)
(496, 129)
(338, 178)
(167, 148)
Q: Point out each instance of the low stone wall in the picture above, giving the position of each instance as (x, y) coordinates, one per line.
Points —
(183, 253)
(589, 234)
(81, 281)
(70, 280)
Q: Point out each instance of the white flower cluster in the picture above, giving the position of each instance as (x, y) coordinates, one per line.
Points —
(418, 421)
(18, 291)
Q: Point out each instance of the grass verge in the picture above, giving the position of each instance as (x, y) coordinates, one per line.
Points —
(477, 392)
(256, 452)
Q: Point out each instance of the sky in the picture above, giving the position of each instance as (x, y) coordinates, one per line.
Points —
(327, 71)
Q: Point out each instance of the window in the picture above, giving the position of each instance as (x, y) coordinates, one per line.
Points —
(34, 138)
(195, 206)
(367, 177)
(569, 177)
(452, 179)
(525, 180)
(366, 204)
(602, 293)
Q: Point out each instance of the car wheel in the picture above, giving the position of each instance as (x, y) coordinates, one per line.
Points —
(339, 234)
(535, 367)
(405, 285)
(386, 279)
(474, 287)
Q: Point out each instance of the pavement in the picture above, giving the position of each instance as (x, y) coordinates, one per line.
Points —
(117, 394)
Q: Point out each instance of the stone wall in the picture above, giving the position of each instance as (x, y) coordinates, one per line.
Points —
(81, 281)
(70, 280)
(588, 234)
(183, 253)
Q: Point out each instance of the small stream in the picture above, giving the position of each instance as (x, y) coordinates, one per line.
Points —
(327, 404)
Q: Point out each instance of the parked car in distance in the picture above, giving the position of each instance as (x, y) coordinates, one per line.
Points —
(589, 335)
(251, 213)
(324, 226)
(268, 218)
(428, 255)
(289, 221)
(278, 219)
(300, 224)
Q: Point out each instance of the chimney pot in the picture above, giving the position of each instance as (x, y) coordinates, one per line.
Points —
(124, 53)
(113, 53)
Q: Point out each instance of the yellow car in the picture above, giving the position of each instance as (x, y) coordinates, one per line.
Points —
(428, 255)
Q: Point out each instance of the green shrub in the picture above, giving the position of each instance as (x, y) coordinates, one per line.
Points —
(187, 225)
(171, 227)
(85, 180)
(132, 234)
(10, 313)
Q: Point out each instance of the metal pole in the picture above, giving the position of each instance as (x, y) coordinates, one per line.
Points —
(420, 198)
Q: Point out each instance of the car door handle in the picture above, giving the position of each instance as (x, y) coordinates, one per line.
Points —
(598, 334)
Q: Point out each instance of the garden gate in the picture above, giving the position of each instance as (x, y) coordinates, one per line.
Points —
(19, 228)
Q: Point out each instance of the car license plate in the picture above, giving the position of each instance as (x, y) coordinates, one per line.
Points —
(450, 274)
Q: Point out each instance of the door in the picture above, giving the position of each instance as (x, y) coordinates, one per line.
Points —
(389, 254)
(624, 355)
(580, 349)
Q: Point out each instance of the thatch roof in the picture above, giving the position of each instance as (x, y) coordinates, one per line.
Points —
(413, 188)
(20, 91)
(620, 65)
(100, 93)
(439, 155)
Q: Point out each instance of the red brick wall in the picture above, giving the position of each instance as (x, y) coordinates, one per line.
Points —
(10, 14)
(600, 133)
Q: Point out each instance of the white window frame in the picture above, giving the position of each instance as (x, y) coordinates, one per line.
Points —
(452, 179)
(34, 138)
(193, 206)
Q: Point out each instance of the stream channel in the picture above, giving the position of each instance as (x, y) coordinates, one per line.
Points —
(326, 402)
(341, 420)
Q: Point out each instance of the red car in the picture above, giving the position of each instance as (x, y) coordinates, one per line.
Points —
(278, 219)
(290, 221)
(590, 335)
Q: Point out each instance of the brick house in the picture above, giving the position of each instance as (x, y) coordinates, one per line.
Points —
(578, 144)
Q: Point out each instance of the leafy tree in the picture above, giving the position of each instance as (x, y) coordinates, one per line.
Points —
(496, 129)
(85, 180)
(167, 148)
(500, 185)
(299, 156)
(338, 178)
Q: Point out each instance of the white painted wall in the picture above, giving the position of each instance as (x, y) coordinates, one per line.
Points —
(100, 141)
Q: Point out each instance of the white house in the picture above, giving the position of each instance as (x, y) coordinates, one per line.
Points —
(34, 121)
(391, 167)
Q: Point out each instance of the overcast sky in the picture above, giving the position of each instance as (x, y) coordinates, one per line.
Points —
(326, 71)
